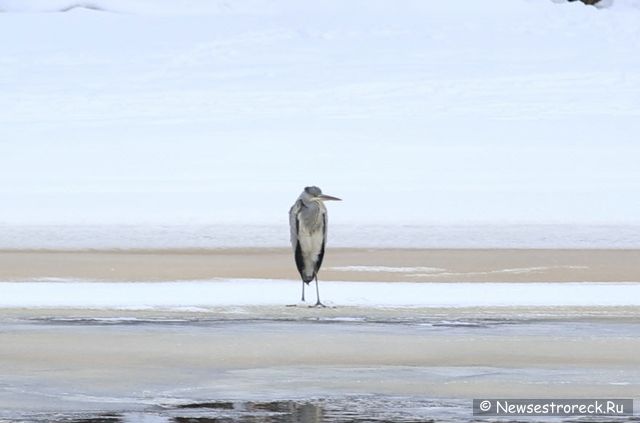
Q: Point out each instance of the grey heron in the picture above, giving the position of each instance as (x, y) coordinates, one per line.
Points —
(308, 224)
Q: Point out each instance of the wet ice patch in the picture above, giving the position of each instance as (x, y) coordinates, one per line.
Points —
(351, 408)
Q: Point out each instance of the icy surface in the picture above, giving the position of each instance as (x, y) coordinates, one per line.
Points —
(368, 236)
(412, 111)
(144, 295)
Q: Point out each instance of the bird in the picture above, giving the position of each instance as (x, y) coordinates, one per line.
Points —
(308, 225)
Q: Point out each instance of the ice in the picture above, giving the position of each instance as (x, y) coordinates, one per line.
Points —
(78, 237)
(413, 112)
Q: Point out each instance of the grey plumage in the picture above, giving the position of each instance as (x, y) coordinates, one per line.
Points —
(308, 225)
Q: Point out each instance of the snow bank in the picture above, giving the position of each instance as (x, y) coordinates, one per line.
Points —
(278, 292)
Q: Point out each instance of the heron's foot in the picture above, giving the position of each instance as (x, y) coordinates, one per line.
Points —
(318, 304)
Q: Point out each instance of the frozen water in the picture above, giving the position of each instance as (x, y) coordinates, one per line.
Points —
(413, 112)
(150, 295)
(377, 236)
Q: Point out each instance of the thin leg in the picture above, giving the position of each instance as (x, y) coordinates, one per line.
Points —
(318, 303)
(302, 291)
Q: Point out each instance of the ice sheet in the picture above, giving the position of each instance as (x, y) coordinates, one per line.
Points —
(411, 111)
(143, 295)
(72, 237)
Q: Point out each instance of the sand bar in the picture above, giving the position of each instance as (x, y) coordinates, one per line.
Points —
(343, 264)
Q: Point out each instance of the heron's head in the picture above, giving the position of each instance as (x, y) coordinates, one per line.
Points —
(315, 194)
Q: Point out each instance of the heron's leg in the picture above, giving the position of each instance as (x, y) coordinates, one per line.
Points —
(303, 291)
(318, 303)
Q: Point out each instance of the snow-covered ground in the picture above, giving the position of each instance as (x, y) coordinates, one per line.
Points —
(190, 296)
(413, 111)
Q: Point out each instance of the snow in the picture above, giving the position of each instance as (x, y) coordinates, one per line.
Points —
(414, 112)
(256, 292)
(145, 7)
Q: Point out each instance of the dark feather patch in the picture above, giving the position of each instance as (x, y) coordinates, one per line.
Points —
(319, 262)
(299, 259)
(324, 241)
(300, 263)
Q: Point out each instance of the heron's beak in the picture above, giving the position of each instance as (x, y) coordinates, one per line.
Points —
(328, 198)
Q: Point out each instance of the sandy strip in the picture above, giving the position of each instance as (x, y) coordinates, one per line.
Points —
(340, 264)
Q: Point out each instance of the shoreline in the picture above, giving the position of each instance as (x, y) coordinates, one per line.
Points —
(346, 313)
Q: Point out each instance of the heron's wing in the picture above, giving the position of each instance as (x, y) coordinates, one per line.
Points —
(325, 228)
(324, 242)
(293, 222)
(294, 227)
